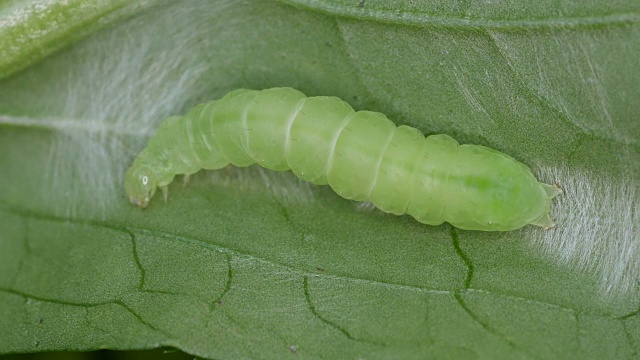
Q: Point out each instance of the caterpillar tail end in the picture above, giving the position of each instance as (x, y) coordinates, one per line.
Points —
(545, 220)
(552, 190)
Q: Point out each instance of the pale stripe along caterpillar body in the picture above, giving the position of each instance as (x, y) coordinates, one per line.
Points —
(362, 155)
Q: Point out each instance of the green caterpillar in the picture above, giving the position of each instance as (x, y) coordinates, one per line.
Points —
(362, 155)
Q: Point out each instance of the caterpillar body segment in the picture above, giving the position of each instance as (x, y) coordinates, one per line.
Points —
(362, 155)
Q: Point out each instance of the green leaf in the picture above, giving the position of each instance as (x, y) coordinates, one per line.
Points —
(251, 263)
(33, 29)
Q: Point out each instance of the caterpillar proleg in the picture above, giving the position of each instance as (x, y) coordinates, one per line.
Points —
(362, 155)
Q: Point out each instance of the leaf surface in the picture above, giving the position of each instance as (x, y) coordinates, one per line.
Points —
(251, 263)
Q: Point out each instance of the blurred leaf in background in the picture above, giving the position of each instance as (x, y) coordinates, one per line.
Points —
(251, 263)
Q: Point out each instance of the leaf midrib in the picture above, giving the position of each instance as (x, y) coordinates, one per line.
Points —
(415, 18)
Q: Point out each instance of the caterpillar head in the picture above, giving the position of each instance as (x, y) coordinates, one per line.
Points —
(140, 184)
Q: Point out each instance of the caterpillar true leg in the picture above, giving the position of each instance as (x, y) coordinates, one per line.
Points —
(185, 180)
(165, 192)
